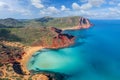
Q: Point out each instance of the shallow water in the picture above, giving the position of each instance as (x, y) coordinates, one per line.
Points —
(94, 56)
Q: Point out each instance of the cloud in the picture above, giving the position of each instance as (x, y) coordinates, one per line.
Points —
(113, 2)
(115, 10)
(63, 8)
(36, 8)
(37, 3)
(86, 6)
(50, 11)
(75, 6)
(13, 7)
(96, 3)
(3, 5)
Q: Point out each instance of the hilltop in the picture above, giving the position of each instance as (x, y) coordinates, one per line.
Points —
(10, 22)
(61, 22)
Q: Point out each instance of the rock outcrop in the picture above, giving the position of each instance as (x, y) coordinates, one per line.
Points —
(10, 54)
(60, 39)
(84, 23)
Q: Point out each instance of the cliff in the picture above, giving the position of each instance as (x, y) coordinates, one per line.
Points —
(61, 39)
(57, 40)
(84, 23)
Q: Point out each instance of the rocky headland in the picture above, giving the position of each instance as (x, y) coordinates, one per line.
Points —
(60, 39)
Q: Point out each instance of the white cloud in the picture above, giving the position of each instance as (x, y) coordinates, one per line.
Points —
(86, 6)
(13, 7)
(75, 6)
(115, 10)
(63, 8)
(113, 2)
(50, 11)
(3, 5)
(96, 3)
(37, 3)
(22, 11)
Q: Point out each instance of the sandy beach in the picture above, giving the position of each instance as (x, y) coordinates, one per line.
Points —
(29, 52)
(70, 28)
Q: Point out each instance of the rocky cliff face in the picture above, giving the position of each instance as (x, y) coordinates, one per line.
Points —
(60, 39)
(84, 23)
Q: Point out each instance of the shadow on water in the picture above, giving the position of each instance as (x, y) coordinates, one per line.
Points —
(100, 67)
(77, 44)
(80, 39)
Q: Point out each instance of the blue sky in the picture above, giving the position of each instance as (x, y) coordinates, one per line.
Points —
(94, 9)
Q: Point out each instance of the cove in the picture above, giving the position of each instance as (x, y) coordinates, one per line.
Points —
(94, 56)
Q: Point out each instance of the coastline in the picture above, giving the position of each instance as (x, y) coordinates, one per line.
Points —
(29, 52)
(65, 40)
(70, 28)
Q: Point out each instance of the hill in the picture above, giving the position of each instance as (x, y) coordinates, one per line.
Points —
(58, 22)
(10, 22)
(38, 30)
(40, 22)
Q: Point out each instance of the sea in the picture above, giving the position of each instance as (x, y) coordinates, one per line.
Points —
(94, 56)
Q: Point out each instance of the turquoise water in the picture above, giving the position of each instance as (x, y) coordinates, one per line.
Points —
(94, 56)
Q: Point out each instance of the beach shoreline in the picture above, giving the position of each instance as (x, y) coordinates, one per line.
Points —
(29, 52)
(70, 28)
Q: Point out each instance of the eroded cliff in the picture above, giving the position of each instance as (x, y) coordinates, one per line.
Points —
(84, 23)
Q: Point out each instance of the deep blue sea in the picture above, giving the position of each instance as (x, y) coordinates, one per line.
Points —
(94, 56)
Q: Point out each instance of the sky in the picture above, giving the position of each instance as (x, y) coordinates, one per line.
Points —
(27, 9)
